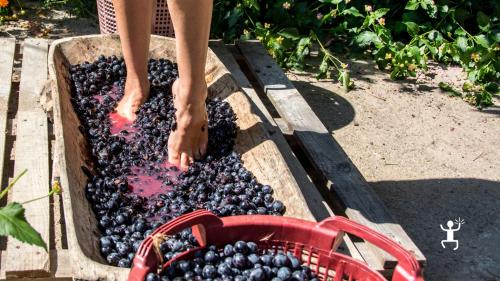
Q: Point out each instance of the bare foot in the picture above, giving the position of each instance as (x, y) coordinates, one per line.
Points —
(136, 93)
(189, 140)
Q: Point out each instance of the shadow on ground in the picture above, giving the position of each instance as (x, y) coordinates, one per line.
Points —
(421, 205)
(335, 111)
(428, 203)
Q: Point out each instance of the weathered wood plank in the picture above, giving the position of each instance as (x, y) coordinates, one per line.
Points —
(321, 210)
(60, 271)
(31, 150)
(316, 203)
(361, 202)
(60, 263)
(7, 49)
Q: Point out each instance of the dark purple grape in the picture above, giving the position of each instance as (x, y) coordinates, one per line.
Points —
(284, 273)
(257, 274)
(239, 260)
(280, 260)
(152, 277)
(219, 182)
(113, 258)
(124, 263)
(209, 271)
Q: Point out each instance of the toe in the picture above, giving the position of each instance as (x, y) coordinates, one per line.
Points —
(186, 160)
(174, 156)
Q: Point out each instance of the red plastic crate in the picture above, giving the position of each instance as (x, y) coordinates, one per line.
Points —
(311, 242)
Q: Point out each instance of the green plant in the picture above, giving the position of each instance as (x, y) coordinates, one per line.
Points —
(8, 12)
(13, 222)
(401, 35)
(85, 8)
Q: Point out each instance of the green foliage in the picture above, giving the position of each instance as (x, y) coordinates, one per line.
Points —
(13, 222)
(400, 35)
(78, 7)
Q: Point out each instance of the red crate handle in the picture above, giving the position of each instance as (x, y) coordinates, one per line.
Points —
(146, 260)
(407, 267)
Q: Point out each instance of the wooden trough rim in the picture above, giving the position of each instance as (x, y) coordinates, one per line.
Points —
(76, 254)
(100, 270)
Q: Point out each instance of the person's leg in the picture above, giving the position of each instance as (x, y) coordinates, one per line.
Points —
(133, 19)
(191, 20)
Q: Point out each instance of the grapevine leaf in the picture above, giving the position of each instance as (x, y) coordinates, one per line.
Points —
(365, 38)
(496, 35)
(435, 35)
(461, 43)
(412, 28)
(449, 89)
(412, 5)
(380, 12)
(13, 223)
(483, 21)
(335, 2)
(491, 87)
(290, 33)
(482, 40)
(352, 11)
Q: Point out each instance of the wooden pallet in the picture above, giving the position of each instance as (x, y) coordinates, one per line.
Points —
(343, 183)
(25, 144)
(259, 78)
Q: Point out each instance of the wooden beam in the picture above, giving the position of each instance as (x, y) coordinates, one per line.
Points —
(319, 207)
(7, 49)
(32, 153)
(343, 178)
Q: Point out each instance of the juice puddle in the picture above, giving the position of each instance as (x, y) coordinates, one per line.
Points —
(149, 184)
(156, 178)
(119, 124)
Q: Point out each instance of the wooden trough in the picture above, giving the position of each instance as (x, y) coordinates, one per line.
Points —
(259, 151)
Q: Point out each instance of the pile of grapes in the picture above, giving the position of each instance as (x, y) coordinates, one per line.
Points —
(131, 187)
(240, 261)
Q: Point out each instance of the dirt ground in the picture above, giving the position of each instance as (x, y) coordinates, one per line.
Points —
(430, 157)
(50, 24)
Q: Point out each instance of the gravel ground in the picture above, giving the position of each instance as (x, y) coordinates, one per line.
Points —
(429, 157)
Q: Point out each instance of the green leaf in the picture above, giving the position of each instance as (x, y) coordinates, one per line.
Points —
(252, 3)
(351, 11)
(449, 89)
(323, 68)
(482, 40)
(460, 32)
(491, 87)
(302, 49)
(290, 33)
(412, 28)
(435, 35)
(380, 12)
(461, 43)
(483, 99)
(483, 21)
(365, 38)
(335, 2)
(234, 17)
(13, 223)
(412, 5)
(495, 35)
